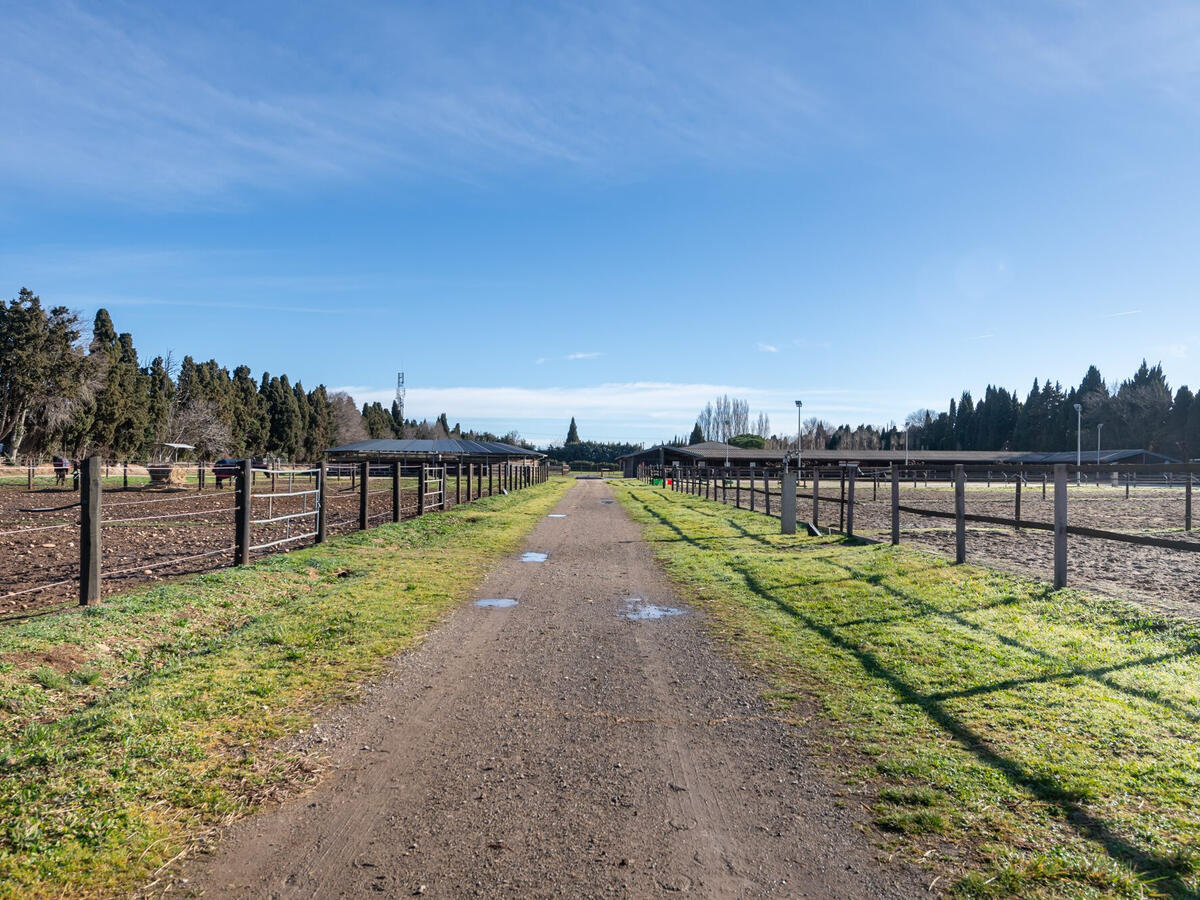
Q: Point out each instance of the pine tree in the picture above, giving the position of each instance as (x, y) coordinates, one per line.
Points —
(697, 435)
(250, 426)
(572, 433)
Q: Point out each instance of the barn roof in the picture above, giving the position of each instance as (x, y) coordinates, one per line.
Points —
(379, 449)
(717, 452)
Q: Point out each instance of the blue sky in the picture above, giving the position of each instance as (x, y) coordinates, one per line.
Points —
(616, 210)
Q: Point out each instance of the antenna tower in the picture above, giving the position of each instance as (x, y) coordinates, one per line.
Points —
(400, 394)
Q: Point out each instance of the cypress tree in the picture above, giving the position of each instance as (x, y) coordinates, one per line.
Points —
(572, 433)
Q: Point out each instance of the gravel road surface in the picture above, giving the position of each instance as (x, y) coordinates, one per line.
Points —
(589, 740)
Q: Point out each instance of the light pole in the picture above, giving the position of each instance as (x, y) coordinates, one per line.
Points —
(1098, 430)
(907, 427)
(799, 433)
(1078, 441)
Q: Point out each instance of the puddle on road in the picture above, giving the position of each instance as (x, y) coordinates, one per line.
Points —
(496, 602)
(638, 609)
(557, 516)
(534, 557)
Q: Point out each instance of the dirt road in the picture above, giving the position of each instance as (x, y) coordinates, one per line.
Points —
(578, 743)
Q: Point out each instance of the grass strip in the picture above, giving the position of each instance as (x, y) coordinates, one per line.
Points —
(129, 728)
(1018, 741)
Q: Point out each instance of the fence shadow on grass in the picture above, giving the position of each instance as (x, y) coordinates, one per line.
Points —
(1163, 870)
(1166, 872)
(1066, 667)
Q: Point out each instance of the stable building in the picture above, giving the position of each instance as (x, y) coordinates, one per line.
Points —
(718, 454)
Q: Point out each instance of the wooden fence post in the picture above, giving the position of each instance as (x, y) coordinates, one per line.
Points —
(491, 479)
(421, 489)
(1187, 502)
(458, 483)
(364, 484)
(245, 480)
(850, 505)
(322, 512)
(787, 503)
(895, 505)
(842, 500)
(751, 490)
(199, 478)
(960, 512)
(125, 476)
(1018, 503)
(29, 473)
(396, 492)
(816, 495)
(1060, 526)
(90, 491)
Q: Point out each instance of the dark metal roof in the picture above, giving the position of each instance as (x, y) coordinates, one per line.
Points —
(717, 452)
(378, 449)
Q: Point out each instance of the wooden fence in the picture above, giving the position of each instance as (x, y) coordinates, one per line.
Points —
(293, 508)
(755, 488)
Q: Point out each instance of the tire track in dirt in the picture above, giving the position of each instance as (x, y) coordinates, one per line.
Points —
(559, 748)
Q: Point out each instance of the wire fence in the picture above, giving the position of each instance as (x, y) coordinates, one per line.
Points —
(114, 535)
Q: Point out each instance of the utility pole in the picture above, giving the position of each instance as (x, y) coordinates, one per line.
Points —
(799, 433)
(1078, 441)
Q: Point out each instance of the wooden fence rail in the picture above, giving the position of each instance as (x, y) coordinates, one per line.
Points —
(713, 483)
(310, 523)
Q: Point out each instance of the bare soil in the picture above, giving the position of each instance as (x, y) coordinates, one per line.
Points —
(1167, 580)
(176, 532)
(560, 747)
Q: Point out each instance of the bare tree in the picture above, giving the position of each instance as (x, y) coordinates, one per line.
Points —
(199, 423)
(347, 420)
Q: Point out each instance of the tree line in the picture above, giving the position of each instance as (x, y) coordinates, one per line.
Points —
(574, 450)
(62, 395)
(1138, 413)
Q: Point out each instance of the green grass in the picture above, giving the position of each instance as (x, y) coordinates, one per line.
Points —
(128, 729)
(1018, 741)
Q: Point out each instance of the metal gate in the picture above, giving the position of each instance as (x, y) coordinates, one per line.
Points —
(434, 481)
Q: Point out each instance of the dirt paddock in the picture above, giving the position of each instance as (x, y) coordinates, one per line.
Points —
(149, 534)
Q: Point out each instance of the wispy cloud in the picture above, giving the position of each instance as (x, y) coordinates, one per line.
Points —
(767, 348)
(1116, 315)
(588, 355)
(145, 102)
(669, 405)
(1177, 350)
(89, 302)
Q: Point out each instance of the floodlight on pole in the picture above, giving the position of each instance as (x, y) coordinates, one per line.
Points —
(1078, 442)
(799, 434)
